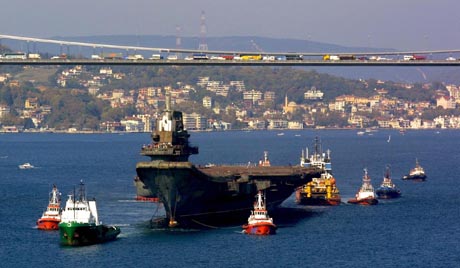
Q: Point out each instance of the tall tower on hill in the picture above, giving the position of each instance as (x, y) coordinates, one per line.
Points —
(203, 45)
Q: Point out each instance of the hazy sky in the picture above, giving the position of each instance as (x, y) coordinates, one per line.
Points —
(400, 24)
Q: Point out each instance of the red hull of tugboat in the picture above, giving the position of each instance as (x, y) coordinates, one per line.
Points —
(364, 202)
(48, 224)
(147, 199)
(260, 229)
(319, 202)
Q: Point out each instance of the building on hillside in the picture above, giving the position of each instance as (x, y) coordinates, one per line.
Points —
(289, 107)
(257, 124)
(416, 123)
(194, 121)
(207, 102)
(252, 96)
(4, 110)
(238, 85)
(454, 91)
(277, 124)
(106, 71)
(133, 124)
(219, 125)
(445, 102)
(313, 94)
(117, 93)
(203, 81)
(111, 126)
(31, 103)
(269, 98)
(295, 125)
(148, 121)
(3, 78)
(92, 90)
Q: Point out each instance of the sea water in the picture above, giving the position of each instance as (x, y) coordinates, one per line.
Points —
(420, 229)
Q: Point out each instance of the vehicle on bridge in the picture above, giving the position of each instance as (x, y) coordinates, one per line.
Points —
(156, 57)
(228, 57)
(112, 56)
(251, 57)
(200, 56)
(135, 57)
(59, 57)
(294, 57)
(34, 56)
(414, 57)
(338, 57)
(15, 56)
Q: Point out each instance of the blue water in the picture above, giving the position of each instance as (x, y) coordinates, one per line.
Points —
(421, 229)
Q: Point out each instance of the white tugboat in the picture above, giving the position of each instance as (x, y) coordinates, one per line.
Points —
(416, 174)
(366, 194)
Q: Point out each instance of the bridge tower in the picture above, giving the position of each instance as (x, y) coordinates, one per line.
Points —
(178, 39)
(203, 46)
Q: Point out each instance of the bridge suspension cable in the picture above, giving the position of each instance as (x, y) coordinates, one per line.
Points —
(179, 50)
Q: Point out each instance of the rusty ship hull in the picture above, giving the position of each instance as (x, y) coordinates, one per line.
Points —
(207, 196)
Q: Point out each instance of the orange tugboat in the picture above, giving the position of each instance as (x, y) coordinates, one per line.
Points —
(259, 223)
(366, 194)
(322, 190)
(52, 216)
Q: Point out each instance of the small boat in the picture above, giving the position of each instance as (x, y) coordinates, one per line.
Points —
(387, 189)
(26, 166)
(259, 223)
(265, 162)
(366, 194)
(416, 174)
(52, 216)
(80, 223)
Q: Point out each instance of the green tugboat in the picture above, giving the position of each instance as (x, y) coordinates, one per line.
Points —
(80, 224)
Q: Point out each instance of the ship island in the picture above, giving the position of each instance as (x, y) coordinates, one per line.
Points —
(208, 195)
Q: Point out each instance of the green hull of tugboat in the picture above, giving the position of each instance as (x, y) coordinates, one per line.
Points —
(82, 234)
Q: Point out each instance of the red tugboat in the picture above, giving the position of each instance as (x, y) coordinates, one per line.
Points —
(366, 194)
(259, 223)
(52, 216)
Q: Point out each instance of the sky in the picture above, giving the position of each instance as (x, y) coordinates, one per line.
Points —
(398, 24)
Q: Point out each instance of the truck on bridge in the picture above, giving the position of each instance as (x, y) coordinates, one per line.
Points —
(338, 57)
(414, 57)
(112, 56)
